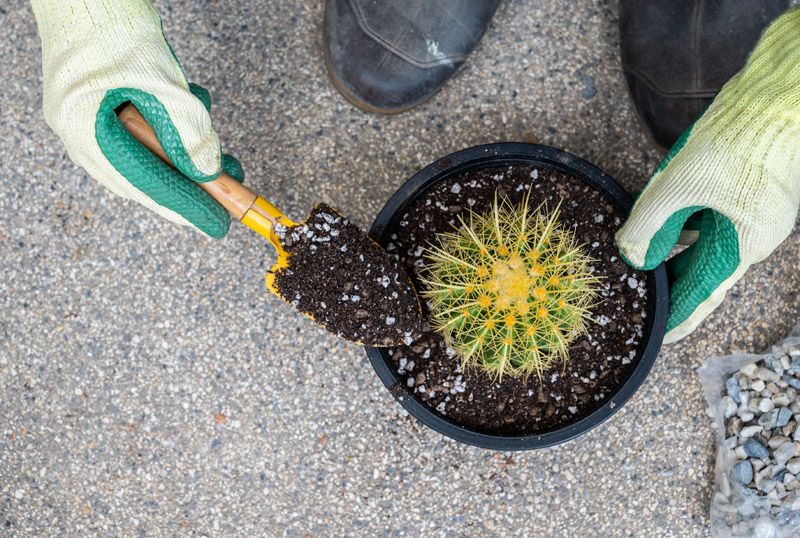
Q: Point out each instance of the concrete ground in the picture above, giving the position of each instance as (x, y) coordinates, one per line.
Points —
(149, 386)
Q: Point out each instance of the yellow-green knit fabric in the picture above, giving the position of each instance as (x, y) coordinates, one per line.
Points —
(99, 54)
(739, 168)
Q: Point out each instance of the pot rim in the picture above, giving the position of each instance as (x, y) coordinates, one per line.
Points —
(503, 153)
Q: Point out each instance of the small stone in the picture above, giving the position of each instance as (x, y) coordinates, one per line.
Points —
(745, 397)
(730, 443)
(781, 400)
(746, 416)
(753, 405)
(766, 405)
(733, 426)
(766, 486)
(773, 389)
(420, 379)
(740, 453)
(784, 415)
(767, 374)
(790, 428)
(746, 509)
(732, 387)
(775, 365)
(749, 370)
(742, 472)
(776, 440)
(764, 473)
(785, 362)
(792, 485)
(757, 465)
(785, 452)
(729, 407)
(754, 449)
(778, 476)
(791, 381)
(796, 362)
(758, 385)
(750, 431)
(768, 420)
(793, 465)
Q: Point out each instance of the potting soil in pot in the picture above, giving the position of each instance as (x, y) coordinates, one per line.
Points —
(599, 362)
(346, 282)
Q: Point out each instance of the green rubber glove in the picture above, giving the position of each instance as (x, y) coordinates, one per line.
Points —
(99, 54)
(736, 173)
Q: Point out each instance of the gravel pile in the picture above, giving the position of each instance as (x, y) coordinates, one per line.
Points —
(761, 408)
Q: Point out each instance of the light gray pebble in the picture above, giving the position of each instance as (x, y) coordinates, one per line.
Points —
(793, 465)
(766, 486)
(749, 370)
(790, 428)
(766, 374)
(781, 400)
(768, 420)
(777, 440)
(729, 407)
(746, 510)
(785, 452)
(750, 431)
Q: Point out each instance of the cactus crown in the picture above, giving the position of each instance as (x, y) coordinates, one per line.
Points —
(510, 290)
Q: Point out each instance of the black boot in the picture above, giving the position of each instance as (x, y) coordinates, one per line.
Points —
(390, 55)
(677, 54)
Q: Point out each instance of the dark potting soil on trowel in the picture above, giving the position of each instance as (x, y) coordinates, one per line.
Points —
(346, 282)
(599, 363)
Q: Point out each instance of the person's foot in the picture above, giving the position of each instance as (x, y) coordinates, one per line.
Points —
(388, 56)
(677, 55)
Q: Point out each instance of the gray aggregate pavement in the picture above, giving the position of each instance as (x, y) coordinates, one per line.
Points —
(149, 385)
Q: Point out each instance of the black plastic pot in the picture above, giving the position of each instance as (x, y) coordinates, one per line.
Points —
(491, 155)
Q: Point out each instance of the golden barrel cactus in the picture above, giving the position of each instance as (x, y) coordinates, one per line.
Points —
(510, 290)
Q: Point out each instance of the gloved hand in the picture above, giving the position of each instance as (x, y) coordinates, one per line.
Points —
(736, 173)
(99, 54)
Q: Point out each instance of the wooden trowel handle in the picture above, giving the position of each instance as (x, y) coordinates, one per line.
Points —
(243, 204)
(231, 194)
